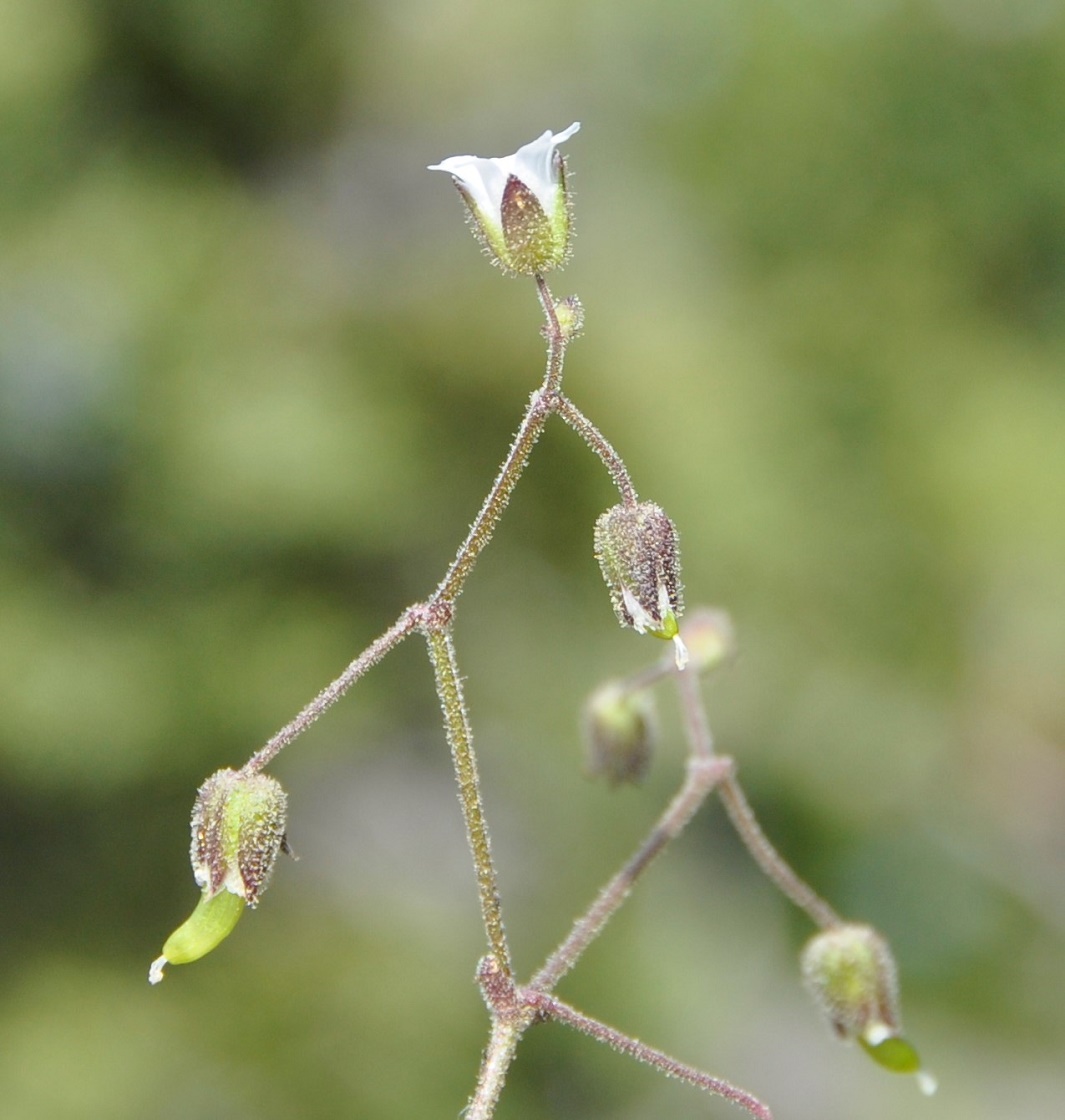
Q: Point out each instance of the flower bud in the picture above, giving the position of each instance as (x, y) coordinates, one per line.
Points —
(851, 974)
(238, 827)
(570, 315)
(518, 204)
(710, 639)
(636, 546)
(620, 728)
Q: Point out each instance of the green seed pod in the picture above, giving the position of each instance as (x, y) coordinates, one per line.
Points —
(851, 974)
(238, 827)
(205, 929)
(620, 729)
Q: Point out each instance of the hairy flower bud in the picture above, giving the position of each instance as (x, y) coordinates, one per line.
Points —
(518, 204)
(570, 315)
(620, 728)
(637, 549)
(851, 974)
(238, 827)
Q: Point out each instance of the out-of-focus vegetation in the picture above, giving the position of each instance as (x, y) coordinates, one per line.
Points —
(254, 381)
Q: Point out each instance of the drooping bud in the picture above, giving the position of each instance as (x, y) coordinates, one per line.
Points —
(620, 729)
(710, 638)
(519, 206)
(637, 549)
(238, 827)
(851, 974)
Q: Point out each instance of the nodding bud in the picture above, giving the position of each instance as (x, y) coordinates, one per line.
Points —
(238, 827)
(851, 974)
(620, 728)
(637, 549)
(710, 638)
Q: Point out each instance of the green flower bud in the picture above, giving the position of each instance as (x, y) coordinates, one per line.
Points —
(570, 315)
(637, 549)
(851, 974)
(238, 827)
(620, 728)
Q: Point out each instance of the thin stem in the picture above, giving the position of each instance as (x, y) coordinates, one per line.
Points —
(460, 738)
(541, 404)
(556, 339)
(601, 446)
(696, 723)
(502, 1046)
(555, 1008)
(532, 425)
(702, 775)
(406, 624)
(740, 813)
(768, 858)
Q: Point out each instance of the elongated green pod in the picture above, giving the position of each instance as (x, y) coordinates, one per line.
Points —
(207, 926)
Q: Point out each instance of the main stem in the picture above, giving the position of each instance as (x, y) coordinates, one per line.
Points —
(453, 706)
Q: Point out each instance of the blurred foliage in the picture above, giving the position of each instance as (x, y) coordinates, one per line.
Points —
(254, 381)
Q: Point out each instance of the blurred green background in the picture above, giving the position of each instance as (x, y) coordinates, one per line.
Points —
(254, 381)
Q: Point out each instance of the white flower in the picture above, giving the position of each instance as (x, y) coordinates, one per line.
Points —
(518, 203)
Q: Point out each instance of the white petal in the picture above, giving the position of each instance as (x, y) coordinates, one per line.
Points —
(876, 1033)
(641, 618)
(534, 164)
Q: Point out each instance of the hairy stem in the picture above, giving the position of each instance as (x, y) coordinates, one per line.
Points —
(502, 1046)
(555, 1008)
(541, 404)
(406, 624)
(595, 439)
(511, 1016)
(702, 775)
(696, 723)
(460, 739)
(769, 859)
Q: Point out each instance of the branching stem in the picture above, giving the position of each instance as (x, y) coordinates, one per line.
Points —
(514, 1009)
(702, 775)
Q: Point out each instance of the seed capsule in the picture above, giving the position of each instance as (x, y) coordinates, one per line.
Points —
(238, 827)
(851, 974)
